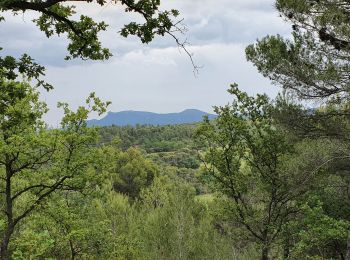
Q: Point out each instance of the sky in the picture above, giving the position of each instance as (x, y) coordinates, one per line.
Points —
(157, 77)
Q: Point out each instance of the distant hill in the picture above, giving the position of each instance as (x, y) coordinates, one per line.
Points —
(133, 118)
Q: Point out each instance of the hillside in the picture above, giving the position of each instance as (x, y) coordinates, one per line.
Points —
(171, 148)
(133, 118)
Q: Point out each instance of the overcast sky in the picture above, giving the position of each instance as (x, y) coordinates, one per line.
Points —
(157, 77)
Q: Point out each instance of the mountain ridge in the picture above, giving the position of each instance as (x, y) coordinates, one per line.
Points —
(131, 117)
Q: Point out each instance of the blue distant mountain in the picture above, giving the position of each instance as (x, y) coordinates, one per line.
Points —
(133, 118)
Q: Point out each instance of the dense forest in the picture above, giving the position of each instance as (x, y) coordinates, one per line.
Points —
(267, 179)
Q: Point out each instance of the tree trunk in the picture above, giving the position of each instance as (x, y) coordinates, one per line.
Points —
(347, 256)
(5, 243)
(265, 253)
(286, 247)
(72, 250)
(9, 213)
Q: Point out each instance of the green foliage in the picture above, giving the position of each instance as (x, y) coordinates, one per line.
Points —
(245, 149)
(58, 18)
(124, 197)
(275, 178)
(319, 234)
(132, 172)
(168, 223)
(11, 68)
(32, 244)
(153, 139)
(37, 162)
(315, 62)
(171, 148)
(178, 226)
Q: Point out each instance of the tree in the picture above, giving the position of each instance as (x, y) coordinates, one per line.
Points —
(314, 64)
(253, 163)
(131, 172)
(323, 228)
(35, 161)
(177, 225)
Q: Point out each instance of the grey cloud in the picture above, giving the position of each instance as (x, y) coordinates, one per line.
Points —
(208, 21)
(158, 80)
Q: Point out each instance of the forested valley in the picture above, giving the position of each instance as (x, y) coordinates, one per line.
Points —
(268, 178)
